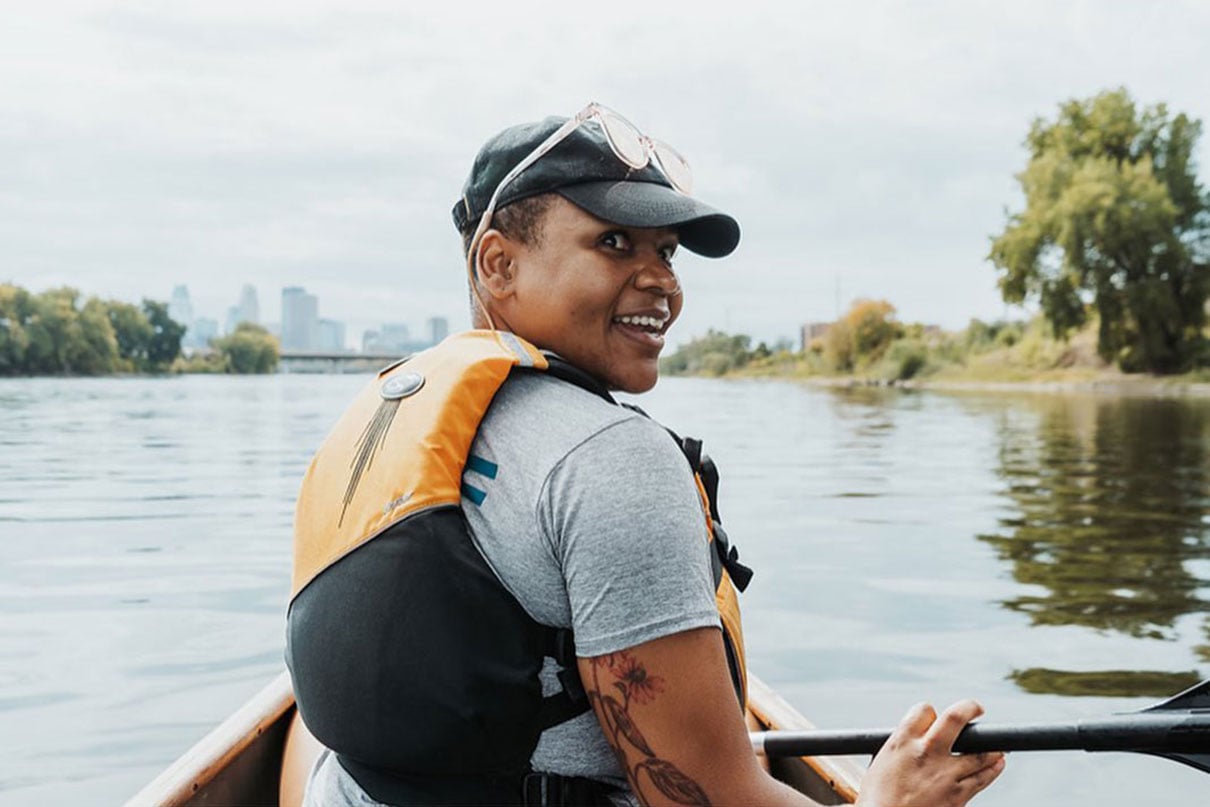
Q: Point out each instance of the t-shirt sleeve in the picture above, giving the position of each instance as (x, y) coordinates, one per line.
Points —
(625, 523)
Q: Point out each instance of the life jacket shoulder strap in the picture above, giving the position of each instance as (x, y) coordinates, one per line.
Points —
(565, 371)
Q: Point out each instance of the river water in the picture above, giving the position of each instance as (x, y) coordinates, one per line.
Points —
(1047, 554)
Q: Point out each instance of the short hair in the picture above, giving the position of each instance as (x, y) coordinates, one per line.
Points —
(521, 221)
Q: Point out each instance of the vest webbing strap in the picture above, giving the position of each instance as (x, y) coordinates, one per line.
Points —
(571, 700)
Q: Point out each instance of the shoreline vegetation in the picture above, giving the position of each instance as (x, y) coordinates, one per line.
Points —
(58, 333)
(869, 347)
(1113, 246)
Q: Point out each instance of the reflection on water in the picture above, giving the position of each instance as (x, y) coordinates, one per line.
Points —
(1105, 683)
(1108, 525)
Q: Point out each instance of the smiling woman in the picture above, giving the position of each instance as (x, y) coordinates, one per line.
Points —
(548, 574)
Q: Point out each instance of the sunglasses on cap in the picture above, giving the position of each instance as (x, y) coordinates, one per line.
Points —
(628, 144)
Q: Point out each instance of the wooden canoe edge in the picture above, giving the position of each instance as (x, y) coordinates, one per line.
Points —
(194, 769)
(775, 712)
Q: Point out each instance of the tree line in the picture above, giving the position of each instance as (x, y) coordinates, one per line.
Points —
(58, 332)
(868, 339)
(871, 342)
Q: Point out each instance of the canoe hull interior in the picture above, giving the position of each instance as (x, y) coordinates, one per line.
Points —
(251, 778)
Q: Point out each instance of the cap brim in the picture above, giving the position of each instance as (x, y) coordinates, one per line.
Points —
(702, 229)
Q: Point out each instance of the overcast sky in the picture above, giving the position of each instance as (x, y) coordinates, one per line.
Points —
(867, 148)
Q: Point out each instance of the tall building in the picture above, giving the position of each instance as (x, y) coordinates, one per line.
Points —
(246, 310)
(180, 308)
(392, 337)
(203, 330)
(811, 331)
(331, 336)
(249, 307)
(439, 328)
(299, 319)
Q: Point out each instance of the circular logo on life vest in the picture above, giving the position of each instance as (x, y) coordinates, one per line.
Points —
(401, 386)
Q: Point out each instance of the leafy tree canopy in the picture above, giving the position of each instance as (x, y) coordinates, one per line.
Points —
(862, 335)
(133, 332)
(713, 354)
(166, 334)
(16, 311)
(56, 332)
(1114, 216)
(249, 349)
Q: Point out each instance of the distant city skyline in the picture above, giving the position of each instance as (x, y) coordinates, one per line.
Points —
(301, 328)
(214, 305)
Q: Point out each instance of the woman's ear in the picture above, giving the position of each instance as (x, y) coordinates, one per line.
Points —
(497, 264)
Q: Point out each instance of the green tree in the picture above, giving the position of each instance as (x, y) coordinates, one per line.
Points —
(716, 353)
(165, 343)
(874, 327)
(861, 336)
(839, 349)
(64, 337)
(16, 308)
(250, 349)
(92, 348)
(1114, 216)
(50, 328)
(133, 332)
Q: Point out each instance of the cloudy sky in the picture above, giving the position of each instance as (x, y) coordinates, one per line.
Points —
(867, 148)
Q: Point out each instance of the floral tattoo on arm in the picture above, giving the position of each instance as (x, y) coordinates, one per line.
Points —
(635, 685)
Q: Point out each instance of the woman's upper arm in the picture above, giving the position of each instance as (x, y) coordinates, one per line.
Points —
(670, 714)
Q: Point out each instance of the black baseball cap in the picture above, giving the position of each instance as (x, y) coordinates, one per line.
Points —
(583, 169)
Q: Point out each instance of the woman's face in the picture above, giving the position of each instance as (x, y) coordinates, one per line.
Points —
(600, 295)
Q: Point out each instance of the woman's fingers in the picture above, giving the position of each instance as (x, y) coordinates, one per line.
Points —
(967, 765)
(980, 780)
(917, 720)
(943, 732)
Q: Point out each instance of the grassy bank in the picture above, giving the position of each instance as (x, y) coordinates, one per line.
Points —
(997, 355)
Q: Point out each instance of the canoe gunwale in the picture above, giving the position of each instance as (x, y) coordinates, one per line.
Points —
(773, 712)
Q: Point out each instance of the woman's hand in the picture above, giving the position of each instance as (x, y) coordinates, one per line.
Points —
(917, 768)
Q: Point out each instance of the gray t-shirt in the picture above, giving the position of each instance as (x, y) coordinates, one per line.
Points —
(592, 521)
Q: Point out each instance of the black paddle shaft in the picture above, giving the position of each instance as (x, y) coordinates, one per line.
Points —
(1147, 733)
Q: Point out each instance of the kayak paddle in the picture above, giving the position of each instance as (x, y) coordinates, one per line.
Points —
(1178, 728)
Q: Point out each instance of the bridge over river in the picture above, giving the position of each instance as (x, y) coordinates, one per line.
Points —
(312, 361)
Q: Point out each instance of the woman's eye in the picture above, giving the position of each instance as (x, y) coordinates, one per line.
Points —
(616, 240)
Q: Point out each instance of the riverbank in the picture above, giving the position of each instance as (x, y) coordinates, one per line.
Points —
(1106, 383)
(995, 377)
(1002, 357)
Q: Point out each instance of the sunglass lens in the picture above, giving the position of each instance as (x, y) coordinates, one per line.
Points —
(674, 166)
(625, 141)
